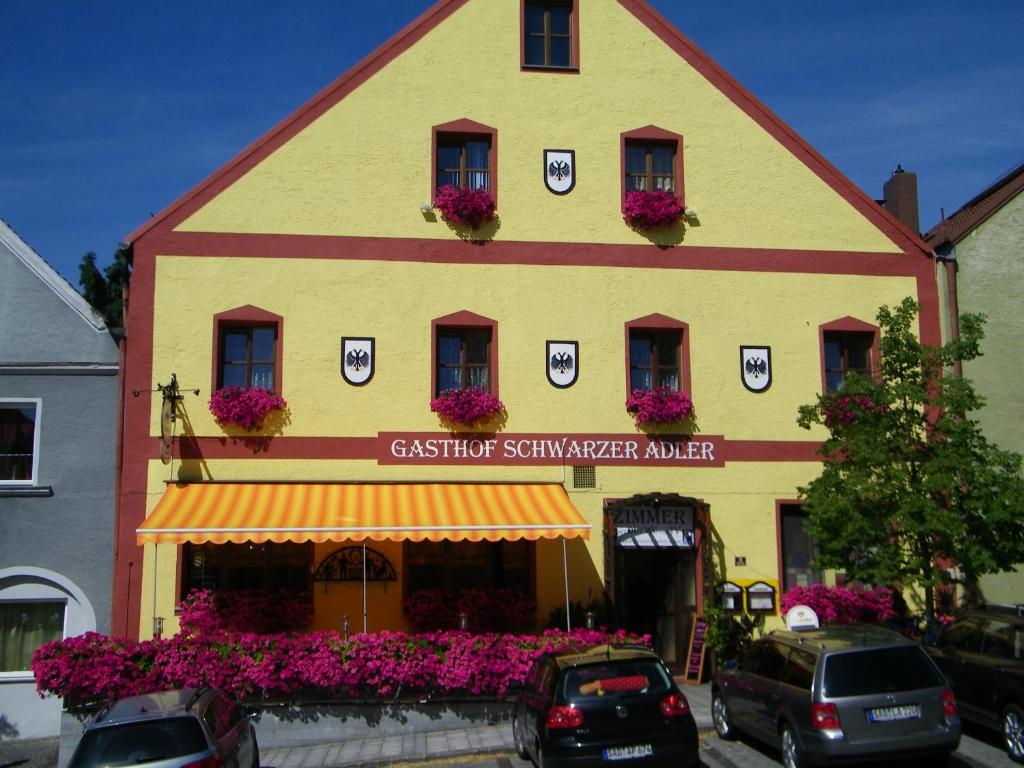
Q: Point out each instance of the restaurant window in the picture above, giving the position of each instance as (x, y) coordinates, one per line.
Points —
(247, 349)
(24, 626)
(19, 441)
(269, 567)
(550, 34)
(458, 565)
(798, 549)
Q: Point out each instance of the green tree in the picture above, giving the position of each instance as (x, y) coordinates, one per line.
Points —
(910, 486)
(104, 290)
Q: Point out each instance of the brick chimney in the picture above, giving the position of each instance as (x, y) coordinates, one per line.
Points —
(900, 193)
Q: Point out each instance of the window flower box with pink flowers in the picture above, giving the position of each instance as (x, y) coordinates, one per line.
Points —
(468, 407)
(245, 407)
(659, 406)
(643, 209)
(464, 206)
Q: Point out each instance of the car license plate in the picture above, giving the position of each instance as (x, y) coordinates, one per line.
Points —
(888, 714)
(628, 753)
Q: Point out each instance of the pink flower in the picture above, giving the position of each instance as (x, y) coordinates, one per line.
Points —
(464, 206)
(660, 405)
(466, 406)
(245, 407)
(650, 209)
(843, 605)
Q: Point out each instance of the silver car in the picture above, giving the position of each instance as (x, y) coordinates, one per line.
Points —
(836, 694)
(196, 727)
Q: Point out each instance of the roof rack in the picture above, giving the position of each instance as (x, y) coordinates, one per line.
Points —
(195, 696)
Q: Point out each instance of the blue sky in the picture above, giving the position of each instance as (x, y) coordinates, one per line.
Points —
(112, 109)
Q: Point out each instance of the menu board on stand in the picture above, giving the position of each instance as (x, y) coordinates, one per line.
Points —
(695, 652)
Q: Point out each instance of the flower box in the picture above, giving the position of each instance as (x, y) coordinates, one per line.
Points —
(244, 407)
(659, 406)
(464, 206)
(652, 209)
(466, 407)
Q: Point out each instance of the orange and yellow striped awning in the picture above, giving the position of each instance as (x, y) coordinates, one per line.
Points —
(222, 512)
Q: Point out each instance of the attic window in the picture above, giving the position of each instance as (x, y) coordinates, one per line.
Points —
(550, 35)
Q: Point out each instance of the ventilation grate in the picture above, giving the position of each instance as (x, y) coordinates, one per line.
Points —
(584, 477)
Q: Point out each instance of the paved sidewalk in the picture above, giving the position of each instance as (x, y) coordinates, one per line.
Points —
(432, 746)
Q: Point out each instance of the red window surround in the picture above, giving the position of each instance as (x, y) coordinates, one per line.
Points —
(247, 316)
(658, 322)
(464, 319)
(574, 31)
(466, 128)
(848, 325)
(651, 133)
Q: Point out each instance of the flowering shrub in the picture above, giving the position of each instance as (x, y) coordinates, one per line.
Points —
(93, 666)
(466, 406)
(843, 605)
(244, 407)
(487, 610)
(464, 206)
(843, 410)
(205, 611)
(644, 209)
(660, 405)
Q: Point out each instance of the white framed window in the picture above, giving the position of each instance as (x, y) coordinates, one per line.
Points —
(19, 441)
(24, 626)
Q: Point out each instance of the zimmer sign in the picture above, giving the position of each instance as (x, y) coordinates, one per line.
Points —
(540, 449)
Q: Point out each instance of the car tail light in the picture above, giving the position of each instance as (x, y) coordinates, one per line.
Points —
(948, 703)
(674, 705)
(213, 761)
(564, 717)
(825, 717)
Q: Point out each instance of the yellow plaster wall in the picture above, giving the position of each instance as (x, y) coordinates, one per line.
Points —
(364, 167)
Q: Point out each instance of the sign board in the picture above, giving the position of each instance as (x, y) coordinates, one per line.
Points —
(662, 527)
(695, 652)
(801, 617)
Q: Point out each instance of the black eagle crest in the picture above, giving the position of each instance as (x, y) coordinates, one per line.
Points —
(561, 362)
(558, 169)
(357, 359)
(756, 367)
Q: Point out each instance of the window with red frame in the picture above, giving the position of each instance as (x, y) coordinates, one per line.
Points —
(846, 352)
(248, 356)
(798, 549)
(654, 359)
(650, 166)
(548, 27)
(463, 161)
(463, 358)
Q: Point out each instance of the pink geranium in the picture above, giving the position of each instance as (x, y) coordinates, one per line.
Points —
(843, 410)
(843, 605)
(660, 405)
(459, 205)
(244, 407)
(466, 406)
(644, 209)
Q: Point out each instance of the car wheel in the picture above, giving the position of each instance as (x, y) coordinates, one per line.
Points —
(792, 755)
(722, 718)
(517, 737)
(1013, 732)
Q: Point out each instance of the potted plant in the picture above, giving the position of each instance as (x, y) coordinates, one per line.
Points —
(643, 209)
(459, 205)
(660, 405)
(466, 407)
(244, 407)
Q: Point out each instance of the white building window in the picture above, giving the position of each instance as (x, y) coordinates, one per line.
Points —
(24, 626)
(19, 441)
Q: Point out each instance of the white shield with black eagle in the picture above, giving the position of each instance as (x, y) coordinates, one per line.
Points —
(560, 170)
(563, 363)
(357, 358)
(756, 368)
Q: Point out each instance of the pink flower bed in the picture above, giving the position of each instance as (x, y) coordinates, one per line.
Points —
(205, 611)
(385, 664)
(659, 406)
(244, 407)
(647, 210)
(843, 605)
(464, 206)
(466, 406)
(487, 610)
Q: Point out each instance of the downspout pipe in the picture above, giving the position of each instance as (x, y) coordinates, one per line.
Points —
(948, 260)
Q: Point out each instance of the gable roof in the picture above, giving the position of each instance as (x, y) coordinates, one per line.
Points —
(12, 242)
(977, 210)
(179, 210)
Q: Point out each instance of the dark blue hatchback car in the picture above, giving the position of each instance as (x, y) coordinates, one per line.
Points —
(607, 705)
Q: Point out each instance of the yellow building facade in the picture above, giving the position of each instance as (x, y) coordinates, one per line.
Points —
(320, 241)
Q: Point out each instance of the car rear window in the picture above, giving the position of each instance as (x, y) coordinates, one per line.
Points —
(879, 670)
(620, 678)
(137, 743)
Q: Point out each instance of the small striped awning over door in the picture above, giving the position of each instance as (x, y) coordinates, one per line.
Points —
(223, 512)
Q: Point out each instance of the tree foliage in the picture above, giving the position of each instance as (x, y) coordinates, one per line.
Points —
(910, 486)
(104, 290)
